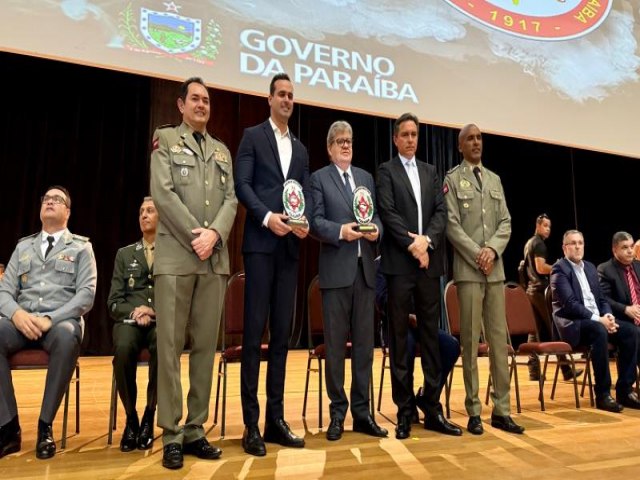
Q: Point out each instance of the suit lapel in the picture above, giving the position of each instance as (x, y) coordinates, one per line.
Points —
(401, 173)
(339, 183)
(37, 246)
(271, 138)
(60, 245)
(138, 254)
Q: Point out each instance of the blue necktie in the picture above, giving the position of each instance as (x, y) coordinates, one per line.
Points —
(347, 186)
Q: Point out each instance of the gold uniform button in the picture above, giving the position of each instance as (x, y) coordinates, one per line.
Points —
(206, 182)
(149, 300)
(206, 224)
(206, 203)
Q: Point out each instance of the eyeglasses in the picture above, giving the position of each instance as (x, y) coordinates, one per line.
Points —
(56, 199)
(344, 142)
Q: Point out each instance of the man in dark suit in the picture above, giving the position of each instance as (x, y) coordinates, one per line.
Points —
(268, 155)
(414, 216)
(347, 280)
(583, 317)
(619, 281)
(131, 307)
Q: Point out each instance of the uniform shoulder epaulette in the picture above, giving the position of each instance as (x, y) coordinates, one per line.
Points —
(453, 169)
(80, 238)
(166, 125)
(33, 235)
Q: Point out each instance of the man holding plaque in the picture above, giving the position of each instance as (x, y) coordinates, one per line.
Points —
(269, 158)
(414, 216)
(341, 194)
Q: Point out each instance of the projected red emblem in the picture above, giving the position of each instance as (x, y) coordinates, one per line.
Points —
(537, 19)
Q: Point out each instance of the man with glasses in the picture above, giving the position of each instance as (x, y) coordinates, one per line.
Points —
(414, 217)
(347, 280)
(583, 317)
(50, 282)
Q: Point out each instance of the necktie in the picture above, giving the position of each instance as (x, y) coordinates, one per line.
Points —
(50, 239)
(148, 254)
(199, 140)
(632, 285)
(476, 172)
(347, 186)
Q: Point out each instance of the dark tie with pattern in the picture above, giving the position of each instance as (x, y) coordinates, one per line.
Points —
(50, 239)
(476, 172)
(632, 285)
(347, 186)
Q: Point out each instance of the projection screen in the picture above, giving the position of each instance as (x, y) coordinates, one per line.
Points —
(559, 71)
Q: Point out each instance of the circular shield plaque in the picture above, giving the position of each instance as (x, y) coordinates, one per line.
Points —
(293, 199)
(362, 205)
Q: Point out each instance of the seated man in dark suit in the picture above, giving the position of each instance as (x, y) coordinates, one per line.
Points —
(620, 281)
(131, 307)
(49, 284)
(449, 345)
(583, 317)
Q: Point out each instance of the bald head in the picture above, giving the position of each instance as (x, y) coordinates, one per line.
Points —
(470, 143)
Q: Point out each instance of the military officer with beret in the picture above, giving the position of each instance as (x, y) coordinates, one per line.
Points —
(479, 227)
(49, 283)
(131, 307)
(192, 187)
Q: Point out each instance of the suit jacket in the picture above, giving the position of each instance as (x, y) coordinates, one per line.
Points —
(259, 185)
(62, 286)
(478, 217)
(338, 263)
(190, 190)
(568, 302)
(131, 283)
(613, 283)
(398, 209)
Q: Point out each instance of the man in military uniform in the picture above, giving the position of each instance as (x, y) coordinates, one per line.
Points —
(131, 307)
(192, 187)
(479, 227)
(50, 282)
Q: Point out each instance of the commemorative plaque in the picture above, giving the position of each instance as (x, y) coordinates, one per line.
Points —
(293, 201)
(363, 210)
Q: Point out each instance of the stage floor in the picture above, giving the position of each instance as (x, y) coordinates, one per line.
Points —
(561, 442)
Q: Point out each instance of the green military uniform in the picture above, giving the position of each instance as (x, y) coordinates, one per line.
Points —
(478, 217)
(192, 187)
(132, 286)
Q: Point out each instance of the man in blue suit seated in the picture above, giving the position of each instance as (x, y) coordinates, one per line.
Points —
(449, 345)
(583, 317)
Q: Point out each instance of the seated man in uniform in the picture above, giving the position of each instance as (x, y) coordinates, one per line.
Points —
(131, 306)
(49, 283)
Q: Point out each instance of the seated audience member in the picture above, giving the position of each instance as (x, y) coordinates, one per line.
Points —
(50, 282)
(583, 317)
(449, 345)
(636, 250)
(131, 306)
(619, 281)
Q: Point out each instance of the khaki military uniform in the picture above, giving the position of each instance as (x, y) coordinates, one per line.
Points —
(192, 186)
(478, 217)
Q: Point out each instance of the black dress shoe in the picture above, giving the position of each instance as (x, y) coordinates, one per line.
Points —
(252, 442)
(145, 434)
(336, 427)
(506, 423)
(129, 439)
(440, 424)
(172, 456)
(403, 428)
(475, 425)
(369, 426)
(10, 437)
(567, 374)
(608, 404)
(630, 400)
(45, 446)
(278, 431)
(415, 417)
(201, 448)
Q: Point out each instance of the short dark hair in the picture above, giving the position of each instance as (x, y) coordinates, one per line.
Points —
(63, 190)
(405, 117)
(184, 88)
(541, 218)
(276, 77)
(619, 237)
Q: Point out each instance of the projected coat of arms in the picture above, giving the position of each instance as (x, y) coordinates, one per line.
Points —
(147, 30)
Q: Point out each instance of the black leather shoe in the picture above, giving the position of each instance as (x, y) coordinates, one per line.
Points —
(10, 438)
(45, 446)
(278, 431)
(172, 456)
(415, 418)
(608, 404)
(440, 424)
(369, 426)
(567, 374)
(474, 425)
(201, 448)
(129, 439)
(336, 427)
(252, 442)
(403, 428)
(506, 423)
(145, 434)
(630, 401)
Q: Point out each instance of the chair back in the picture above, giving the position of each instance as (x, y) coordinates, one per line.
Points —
(548, 298)
(234, 305)
(451, 308)
(315, 317)
(518, 310)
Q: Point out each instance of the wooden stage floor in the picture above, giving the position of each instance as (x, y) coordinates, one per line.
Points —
(560, 443)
